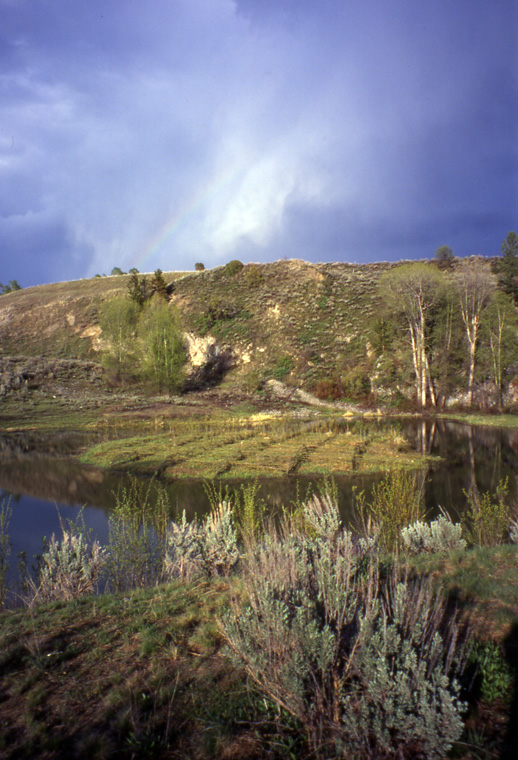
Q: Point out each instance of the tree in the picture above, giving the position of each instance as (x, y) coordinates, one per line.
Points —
(159, 285)
(414, 290)
(474, 285)
(444, 257)
(118, 320)
(163, 347)
(501, 329)
(10, 287)
(199, 267)
(507, 266)
(116, 271)
(138, 290)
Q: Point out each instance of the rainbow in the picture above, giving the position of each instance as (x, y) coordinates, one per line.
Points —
(167, 230)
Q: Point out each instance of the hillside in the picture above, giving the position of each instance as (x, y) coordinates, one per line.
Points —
(319, 327)
(291, 319)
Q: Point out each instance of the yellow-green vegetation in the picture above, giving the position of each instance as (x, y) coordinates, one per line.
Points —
(257, 447)
(490, 420)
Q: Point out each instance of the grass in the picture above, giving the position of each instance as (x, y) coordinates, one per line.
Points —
(241, 447)
(490, 420)
(146, 672)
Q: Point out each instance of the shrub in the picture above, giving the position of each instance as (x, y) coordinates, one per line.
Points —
(357, 657)
(199, 267)
(137, 537)
(183, 555)
(69, 568)
(232, 268)
(284, 366)
(6, 513)
(513, 531)
(488, 520)
(397, 501)
(208, 548)
(329, 389)
(491, 670)
(253, 276)
(218, 541)
(438, 536)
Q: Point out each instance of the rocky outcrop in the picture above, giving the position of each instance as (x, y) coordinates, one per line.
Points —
(21, 374)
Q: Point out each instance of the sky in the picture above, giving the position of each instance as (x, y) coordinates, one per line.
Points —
(161, 133)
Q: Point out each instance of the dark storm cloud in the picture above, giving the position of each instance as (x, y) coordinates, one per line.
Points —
(172, 131)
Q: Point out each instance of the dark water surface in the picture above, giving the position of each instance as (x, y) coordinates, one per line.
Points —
(43, 482)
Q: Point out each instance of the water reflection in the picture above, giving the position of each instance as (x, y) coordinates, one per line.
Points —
(39, 473)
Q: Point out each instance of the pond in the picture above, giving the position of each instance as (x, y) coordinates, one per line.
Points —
(42, 481)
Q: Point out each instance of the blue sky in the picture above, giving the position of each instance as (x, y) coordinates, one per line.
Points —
(159, 133)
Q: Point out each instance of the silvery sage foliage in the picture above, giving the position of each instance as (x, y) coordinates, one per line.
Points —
(69, 568)
(218, 541)
(183, 554)
(513, 532)
(439, 535)
(337, 643)
(405, 700)
(209, 548)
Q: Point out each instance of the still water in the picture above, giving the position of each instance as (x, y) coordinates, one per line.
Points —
(42, 481)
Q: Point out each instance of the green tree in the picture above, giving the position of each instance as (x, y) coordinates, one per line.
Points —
(413, 291)
(159, 285)
(199, 267)
(500, 352)
(444, 257)
(138, 290)
(474, 285)
(10, 287)
(116, 271)
(507, 266)
(163, 347)
(118, 320)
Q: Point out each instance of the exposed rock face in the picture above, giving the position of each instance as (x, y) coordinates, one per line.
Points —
(208, 362)
(201, 350)
(22, 373)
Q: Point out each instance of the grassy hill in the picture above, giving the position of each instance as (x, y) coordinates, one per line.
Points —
(291, 320)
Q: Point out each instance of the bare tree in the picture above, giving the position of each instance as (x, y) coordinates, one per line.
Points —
(475, 285)
(414, 290)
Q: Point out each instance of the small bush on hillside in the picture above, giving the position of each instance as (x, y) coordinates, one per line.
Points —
(488, 520)
(283, 367)
(199, 267)
(438, 536)
(356, 656)
(253, 276)
(329, 389)
(232, 268)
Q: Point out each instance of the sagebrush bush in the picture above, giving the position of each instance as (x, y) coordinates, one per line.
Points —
(356, 655)
(183, 555)
(438, 536)
(218, 541)
(209, 548)
(69, 568)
